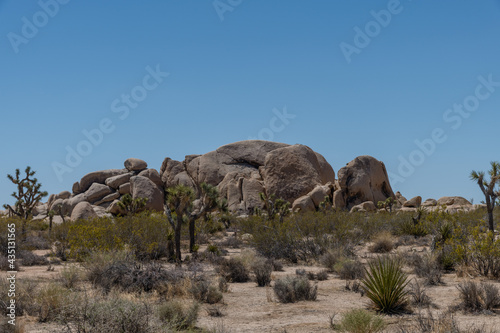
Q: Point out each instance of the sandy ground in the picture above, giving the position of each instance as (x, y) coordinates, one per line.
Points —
(248, 308)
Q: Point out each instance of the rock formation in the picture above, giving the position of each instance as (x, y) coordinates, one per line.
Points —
(363, 179)
(242, 170)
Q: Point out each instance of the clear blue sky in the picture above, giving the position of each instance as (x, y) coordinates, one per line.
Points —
(231, 66)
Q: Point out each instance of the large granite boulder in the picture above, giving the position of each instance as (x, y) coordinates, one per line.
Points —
(135, 164)
(83, 211)
(293, 171)
(363, 179)
(96, 177)
(142, 187)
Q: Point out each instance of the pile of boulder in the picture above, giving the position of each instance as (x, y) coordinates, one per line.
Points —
(98, 193)
(241, 171)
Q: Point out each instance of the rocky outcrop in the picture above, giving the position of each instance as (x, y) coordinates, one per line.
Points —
(242, 170)
(429, 203)
(363, 179)
(450, 201)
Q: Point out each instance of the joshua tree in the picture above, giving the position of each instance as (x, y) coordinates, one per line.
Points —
(180, 200)
(386, 204)
(132, 206)
(275, 206)
(488, 189)
(28, 194)
(27, 197)
(209, 202)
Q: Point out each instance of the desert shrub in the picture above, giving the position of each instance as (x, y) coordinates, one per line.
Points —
(70, 276)
(262, 269)
(428, 268)
(409, 227)
(6, 327)
(5, 264)
(322, 275)
(36, 242)
(120, 270)
(113, 314)
(147, 235)
(476, 297)
(177, 315)
(445, 322)
(291, 289)
(203, 291)
(300, 272)
(51, 300)
(25, 297)
(484, 253)
(361, 321)
(276, 264)
(382, 243)
(233, 270)
(232, 242)
(331, 258)
(87, 236)
(349, 269)
(385, 284)
(418, 295)
(28, 258)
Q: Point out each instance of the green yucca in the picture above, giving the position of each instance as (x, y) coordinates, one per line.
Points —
(385, 284)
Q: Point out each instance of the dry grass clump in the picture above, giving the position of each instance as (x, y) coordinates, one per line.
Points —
(360, 321)
(478, 297)
(382, 243)
(177, 315)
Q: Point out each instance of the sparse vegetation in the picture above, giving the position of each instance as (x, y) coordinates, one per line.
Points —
(360, 321)
(291, 289)
(477, 297)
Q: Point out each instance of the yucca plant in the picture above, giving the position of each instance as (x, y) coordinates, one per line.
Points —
(385, 284)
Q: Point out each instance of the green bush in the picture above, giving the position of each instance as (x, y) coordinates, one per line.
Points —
(291, 289)
(148, 236)
(361, 321)
(385, 284)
